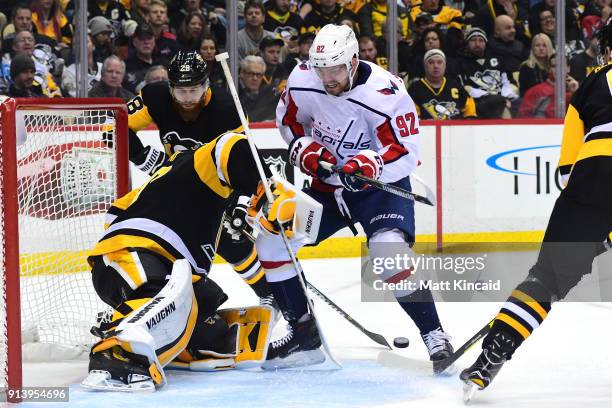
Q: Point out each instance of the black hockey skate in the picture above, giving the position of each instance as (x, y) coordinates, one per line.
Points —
(480, 374)
(439, 347)
(300, 347)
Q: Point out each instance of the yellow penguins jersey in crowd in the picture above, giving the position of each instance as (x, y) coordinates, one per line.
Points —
(444, 15)
(587, 130)
(177, 212)
(155, 105)
(378, 15)
(450, 101)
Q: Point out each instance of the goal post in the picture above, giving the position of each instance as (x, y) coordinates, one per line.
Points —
(62, 163)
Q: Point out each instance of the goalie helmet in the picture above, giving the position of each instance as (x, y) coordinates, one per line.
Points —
(187, 68)
(334, 45)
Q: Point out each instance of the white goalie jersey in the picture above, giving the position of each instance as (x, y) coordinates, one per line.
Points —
(376, 114)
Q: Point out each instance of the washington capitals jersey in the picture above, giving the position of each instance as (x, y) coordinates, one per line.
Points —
(376, 114)
(177, 212)
(155, 105)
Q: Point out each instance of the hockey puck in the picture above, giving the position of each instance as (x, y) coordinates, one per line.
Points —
(401, 342)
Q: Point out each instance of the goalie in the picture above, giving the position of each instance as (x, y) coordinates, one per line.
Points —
(151, 266)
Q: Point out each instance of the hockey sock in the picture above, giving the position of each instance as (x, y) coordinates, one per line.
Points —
(287, 289)
(252, 273)
(421, 308)
(522, 313)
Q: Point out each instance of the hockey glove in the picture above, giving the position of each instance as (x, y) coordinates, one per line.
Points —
(368, 163)
(149, 160)
(306, 153)
(238, 219)
(266, 215)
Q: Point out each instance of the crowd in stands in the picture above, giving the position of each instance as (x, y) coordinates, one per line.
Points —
(458, 58)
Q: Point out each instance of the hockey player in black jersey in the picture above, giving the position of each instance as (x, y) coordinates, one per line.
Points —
(151, 267)
(188, 114)
(577, 230)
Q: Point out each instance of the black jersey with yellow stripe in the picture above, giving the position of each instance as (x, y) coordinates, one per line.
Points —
(177, 212)
(155, 105)
(587, 130)
(450, 101)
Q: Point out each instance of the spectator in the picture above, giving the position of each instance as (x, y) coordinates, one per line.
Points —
(504, 46)
(140, 11)
(430, 39)
(438, 96)
(113, 11)
(21, 20)
(275, 75)
(258, 99)
(94, 72)
(22, 72)
(535, 69)
(328, 12)
(545, 22)
(539, 100)
(24, 44)
(177, 16)
(368, 52)
(583, 63)
(249, 38)
(448, 20)
(101, 32)
(279, 15)
(304, 43)
(208, 50)
(422, 22)
(373, 15)
(484, 78)
(157, 73)
(403, 49)
(488, 12)
(113, 71)
(290, 37)
(350, 22)
(191, 31)
(49, 20)
(165, 41)
(142, 59)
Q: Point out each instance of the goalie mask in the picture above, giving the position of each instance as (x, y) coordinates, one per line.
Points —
(188, 78)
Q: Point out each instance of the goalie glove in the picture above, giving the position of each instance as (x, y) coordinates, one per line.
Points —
(306, 153)
(266, 215)
(368, 163)
(149, 160)
(237, 220)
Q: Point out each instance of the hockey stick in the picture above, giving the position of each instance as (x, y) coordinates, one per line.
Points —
(377, 338)
(389, 188)
(222, 59)
(442, 365)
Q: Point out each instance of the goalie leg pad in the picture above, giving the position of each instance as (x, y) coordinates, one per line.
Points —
(158, 330)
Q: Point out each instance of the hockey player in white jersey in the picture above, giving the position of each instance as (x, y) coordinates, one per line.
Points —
(351, 113)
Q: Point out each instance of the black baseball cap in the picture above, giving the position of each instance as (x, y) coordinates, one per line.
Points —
(270, 41)
(424, 17)
(144, 30)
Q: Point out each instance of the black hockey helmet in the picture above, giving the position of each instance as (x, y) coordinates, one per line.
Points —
(187, 68)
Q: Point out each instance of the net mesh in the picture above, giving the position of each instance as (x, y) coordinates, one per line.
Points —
(66, 180)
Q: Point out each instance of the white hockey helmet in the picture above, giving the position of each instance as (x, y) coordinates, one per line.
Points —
(334, 45)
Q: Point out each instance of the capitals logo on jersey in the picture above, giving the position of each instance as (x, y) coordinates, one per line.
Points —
(391, 90)
(336, 137)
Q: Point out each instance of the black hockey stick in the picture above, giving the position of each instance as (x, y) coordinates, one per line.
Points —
(378, 338)
(389, 188)
(440, 366)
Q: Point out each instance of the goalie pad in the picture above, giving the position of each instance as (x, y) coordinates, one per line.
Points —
(158, 331)
(245, 345)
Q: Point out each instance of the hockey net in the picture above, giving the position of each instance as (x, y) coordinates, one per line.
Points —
(63, 162)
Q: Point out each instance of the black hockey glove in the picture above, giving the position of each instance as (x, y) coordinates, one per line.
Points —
(149, 160)
(236, 221)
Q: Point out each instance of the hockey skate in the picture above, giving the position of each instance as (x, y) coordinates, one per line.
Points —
(300, 347)
(439, 347)
(117, 370)
(480, 374)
